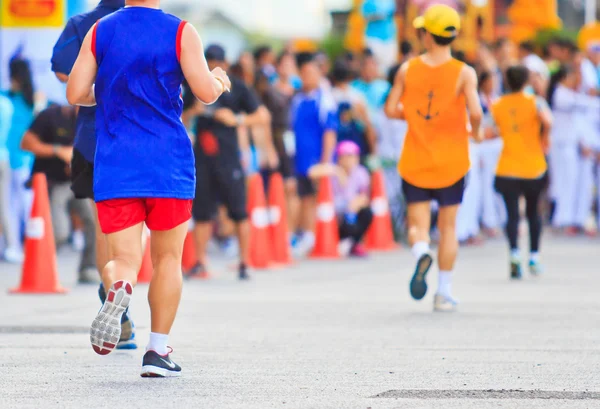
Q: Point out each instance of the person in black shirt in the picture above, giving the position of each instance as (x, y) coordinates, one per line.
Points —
(50, 138)
(219, 171)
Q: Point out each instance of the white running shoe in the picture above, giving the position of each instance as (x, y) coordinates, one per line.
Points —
(13, 255)
(442, 303)
(106, 327)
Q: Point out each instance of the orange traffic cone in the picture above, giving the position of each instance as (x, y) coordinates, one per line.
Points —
(189, 258)
(326, 235)
(40, 275)
(145, 274)
(278, 221)
(380, 235)
(260, 256)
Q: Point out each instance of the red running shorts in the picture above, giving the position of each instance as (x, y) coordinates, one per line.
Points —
(160, 214)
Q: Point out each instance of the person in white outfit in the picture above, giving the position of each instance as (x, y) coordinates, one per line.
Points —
(493, 215)
(564, 152)
(587, 114)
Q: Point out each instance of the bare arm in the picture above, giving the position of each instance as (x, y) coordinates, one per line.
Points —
(473, 102)
(322, 169)
(62, 77)
(32, 143)
(370, 133)
(81, 80)
(545, 116)
(204, 83)
(329, 141)
(393, 108)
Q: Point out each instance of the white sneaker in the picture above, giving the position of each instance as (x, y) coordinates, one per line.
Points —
(305, 245)
(344, 247)
(78, 241)
(14, 256)
(443, 303)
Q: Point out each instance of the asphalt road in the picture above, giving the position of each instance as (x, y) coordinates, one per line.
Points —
(326, 335)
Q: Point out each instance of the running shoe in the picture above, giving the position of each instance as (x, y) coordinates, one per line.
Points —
(515, 270)
(359, 251)
(88, 275)
(418, 285)
(536, 268)
(127, 339)
(105, 331)
(243, 272)
(159, 366)
(443, 303)
(198, 272)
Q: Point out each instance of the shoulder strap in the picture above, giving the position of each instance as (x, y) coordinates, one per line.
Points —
(93, 46)
(179, 36)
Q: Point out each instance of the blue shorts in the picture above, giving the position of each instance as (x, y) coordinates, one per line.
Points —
(446, 196)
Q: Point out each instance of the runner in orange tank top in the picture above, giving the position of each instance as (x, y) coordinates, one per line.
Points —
(437, 95)
(518, 118)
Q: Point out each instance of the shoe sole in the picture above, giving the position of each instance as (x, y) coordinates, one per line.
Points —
(127, 345)
(151, 371)
(105, 331)
(418, 285)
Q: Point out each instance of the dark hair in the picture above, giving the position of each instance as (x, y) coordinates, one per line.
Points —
(367, 53)
(516, 77)
(392, 74)
(527, 46)
(483, 77)
(556, 79)
(459, 55)
(499, 43)
(261, 51)
(304, 58)
(236, 70)
(282, 55)
(442, 40)
(406, 48)
(341, 72)
(20, 72)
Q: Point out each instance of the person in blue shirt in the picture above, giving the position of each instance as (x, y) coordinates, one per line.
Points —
(313, 118)
(6, 227)
(21, 95)
(132, 64)
(64, 55)
(381, 32)
(374, 88)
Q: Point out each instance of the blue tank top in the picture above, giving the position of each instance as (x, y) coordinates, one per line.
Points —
(143, 149)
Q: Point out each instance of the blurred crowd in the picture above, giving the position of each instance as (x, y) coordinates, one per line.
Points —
(306, 116)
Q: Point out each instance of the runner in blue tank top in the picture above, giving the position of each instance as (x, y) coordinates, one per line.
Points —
(144, 165)
(64, 55)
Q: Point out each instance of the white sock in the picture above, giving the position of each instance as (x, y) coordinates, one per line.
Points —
(515, 255)
(158, 343)
(419, 249)
(534, 257)
(445, 283)
(308, 237)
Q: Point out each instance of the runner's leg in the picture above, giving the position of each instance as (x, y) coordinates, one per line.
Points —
(165, 289)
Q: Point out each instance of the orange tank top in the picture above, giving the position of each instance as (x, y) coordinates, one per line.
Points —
(517, 120)
(436, 147)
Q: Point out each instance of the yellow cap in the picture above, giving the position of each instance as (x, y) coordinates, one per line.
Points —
(439, 20)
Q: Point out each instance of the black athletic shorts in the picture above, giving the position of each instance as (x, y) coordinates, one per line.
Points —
(286, 166)
(306, 186)
(219, 180)
(526, 187)
(82, 176)
(446, 196)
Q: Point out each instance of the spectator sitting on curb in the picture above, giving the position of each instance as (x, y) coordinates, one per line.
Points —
(351, 185)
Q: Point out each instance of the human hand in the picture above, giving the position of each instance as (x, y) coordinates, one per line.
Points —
(223, 78)
(226, 117)
(65, 153)
(586, 152)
